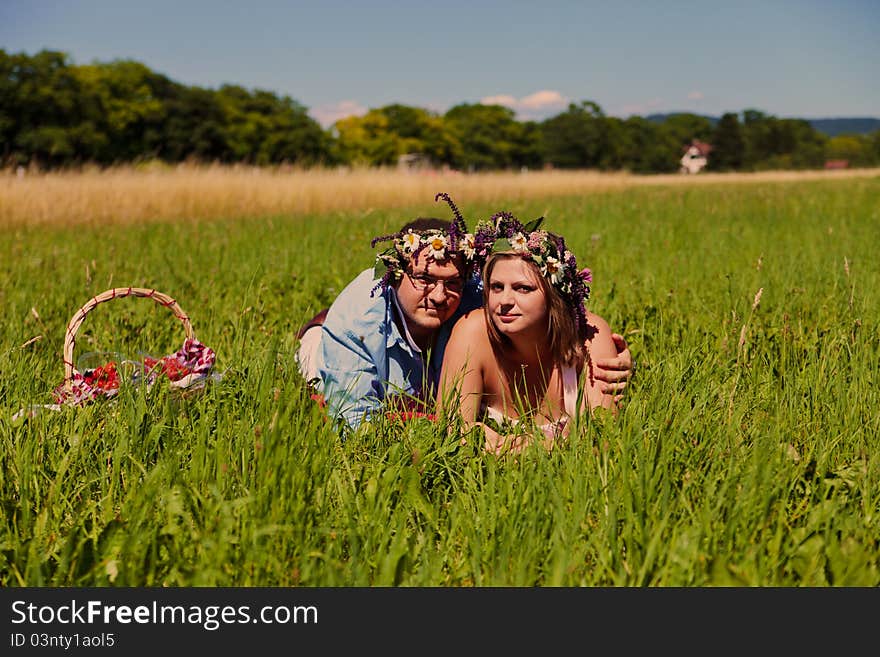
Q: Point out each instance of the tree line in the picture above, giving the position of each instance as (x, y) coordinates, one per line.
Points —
(57, 114)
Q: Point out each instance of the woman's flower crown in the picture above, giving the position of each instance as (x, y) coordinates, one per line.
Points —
(505, 233)
(438, 244)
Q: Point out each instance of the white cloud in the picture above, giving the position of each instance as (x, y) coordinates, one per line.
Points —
(507, 101)
(327, 115)
(538, 105)
(695, 95)
(545, 100)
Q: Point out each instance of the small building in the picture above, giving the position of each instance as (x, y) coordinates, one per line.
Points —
(695, 157)
(836, 164)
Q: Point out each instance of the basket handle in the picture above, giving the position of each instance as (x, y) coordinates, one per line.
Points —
(115, 293)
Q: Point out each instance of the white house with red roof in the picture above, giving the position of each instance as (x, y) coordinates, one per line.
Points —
(695, 157)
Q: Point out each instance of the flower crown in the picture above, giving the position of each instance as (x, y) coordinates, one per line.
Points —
(505, 233)
(439, 244)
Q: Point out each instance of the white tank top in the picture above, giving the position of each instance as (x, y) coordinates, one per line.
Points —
(569, 401)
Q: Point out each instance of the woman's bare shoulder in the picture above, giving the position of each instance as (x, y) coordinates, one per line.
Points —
(599, 340)
(469, 333)
(471, 324)
(597, 323)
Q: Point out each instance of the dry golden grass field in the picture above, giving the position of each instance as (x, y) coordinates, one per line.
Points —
(129, 194)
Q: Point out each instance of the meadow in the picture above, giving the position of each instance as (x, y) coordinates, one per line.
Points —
(746, 453)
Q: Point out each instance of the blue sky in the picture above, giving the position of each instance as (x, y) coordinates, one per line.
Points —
(790, 59)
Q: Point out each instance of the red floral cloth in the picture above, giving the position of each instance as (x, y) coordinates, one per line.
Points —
(190, 364)
(406, 416)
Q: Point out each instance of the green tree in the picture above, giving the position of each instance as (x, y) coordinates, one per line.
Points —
(194, 126)
(382, 135)
(576, 138)
(646, 146)
(55, 113)
(422, 132)
(684, 127)
(367, 140)
(772, 143)
(874, 141)
(262, 128)
(491, 138)
(728, 145)
(855, 149)
(296, 138)
(808, 144)
(122, 101)
(9, 106)
(41, 109)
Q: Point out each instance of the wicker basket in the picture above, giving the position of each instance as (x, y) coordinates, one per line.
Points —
(190, 365)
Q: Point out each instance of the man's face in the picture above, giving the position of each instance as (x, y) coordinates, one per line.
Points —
(429, 293)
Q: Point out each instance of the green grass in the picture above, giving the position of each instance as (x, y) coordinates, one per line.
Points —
(750, 462)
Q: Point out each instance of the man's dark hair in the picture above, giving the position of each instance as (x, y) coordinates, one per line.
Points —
(426, 223)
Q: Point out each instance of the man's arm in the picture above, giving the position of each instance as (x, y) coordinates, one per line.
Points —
(601, 347)
(614, 373)
(349, 378)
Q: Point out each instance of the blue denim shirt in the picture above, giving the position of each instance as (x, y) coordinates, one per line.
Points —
(364, 358)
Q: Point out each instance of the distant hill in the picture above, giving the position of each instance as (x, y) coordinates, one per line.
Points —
(830, 127)
(660, 118)
(857, 126)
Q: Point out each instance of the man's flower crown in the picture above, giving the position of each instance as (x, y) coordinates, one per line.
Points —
(505, 233)
(438, 244)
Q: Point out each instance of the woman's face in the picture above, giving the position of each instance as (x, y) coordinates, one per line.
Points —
(516, 301)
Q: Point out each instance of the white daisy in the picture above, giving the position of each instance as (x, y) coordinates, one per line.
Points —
(437, 244)
(410, 241)
(554, 269)
(519, 243)
(469, 244)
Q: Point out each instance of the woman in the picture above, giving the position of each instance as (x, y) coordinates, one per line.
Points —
(518, 363)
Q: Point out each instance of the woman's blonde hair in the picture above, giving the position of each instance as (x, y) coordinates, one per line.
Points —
(566, 342)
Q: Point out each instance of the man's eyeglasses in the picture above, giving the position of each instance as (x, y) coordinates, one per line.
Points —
(425, 283)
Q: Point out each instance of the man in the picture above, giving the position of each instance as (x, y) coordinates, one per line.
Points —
(380, 345)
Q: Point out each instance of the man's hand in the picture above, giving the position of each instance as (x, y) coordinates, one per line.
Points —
(614, 372)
